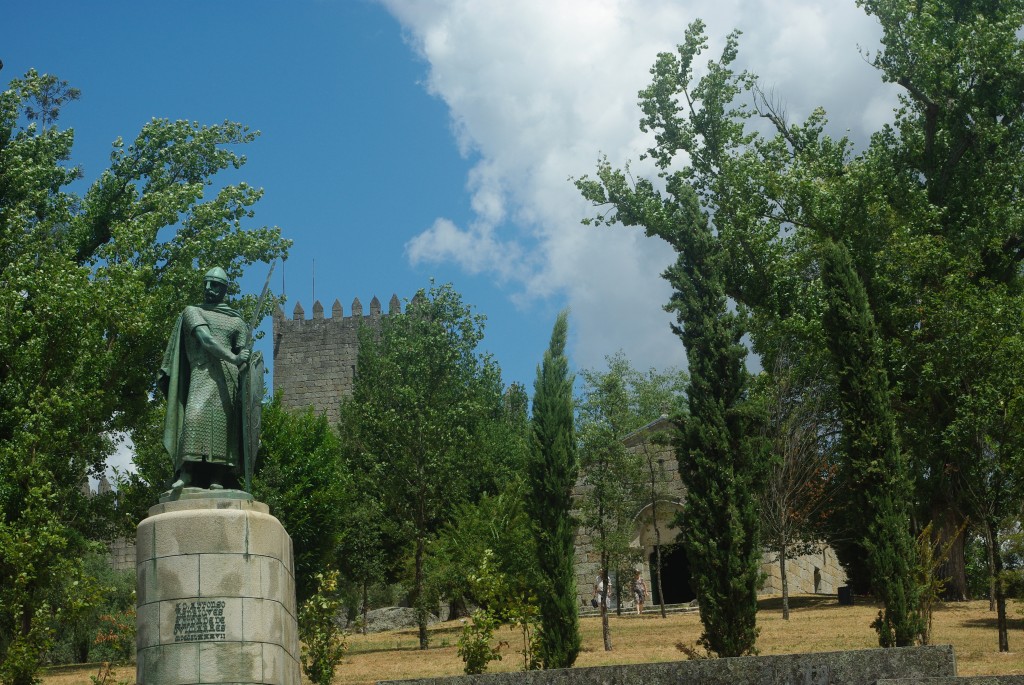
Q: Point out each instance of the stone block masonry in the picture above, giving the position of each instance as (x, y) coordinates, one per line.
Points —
(215, 590)
(315, 359)
(967, 680)
(857, 667)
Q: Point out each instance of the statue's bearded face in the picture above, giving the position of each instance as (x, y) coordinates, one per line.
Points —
(214, 292)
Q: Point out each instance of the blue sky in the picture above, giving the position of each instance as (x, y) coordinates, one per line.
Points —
(404, 140)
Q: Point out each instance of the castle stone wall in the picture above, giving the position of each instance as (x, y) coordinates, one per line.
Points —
(315, 359)
(122, 554)
(818, 573)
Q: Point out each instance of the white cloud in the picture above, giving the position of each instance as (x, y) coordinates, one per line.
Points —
(538, 89)
(122, 460)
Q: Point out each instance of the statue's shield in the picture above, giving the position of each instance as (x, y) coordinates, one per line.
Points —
(252, 408)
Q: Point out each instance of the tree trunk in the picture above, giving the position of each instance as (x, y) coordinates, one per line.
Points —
(657, 547)
(999, 587)
(1004, 642)
(785, 581)
(618, 592)
(657, 557)
(990, 543)
(657, 530)
(421, 601)
(948, 521)
(366, 603)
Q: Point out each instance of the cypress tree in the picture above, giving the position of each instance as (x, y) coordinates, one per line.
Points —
(875, 468)
(716, 461)
(552, 472)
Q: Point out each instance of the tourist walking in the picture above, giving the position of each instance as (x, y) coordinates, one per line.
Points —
(639, 592)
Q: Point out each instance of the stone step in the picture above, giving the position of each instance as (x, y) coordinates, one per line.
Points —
(648, 611)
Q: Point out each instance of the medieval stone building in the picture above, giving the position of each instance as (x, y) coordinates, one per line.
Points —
(121, 551)
(315, 359)
(812, 573)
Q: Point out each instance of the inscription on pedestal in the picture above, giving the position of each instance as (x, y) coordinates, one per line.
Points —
(204, 620)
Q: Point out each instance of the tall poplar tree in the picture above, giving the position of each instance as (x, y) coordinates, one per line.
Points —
(89, 288)
(716, 462)
(552, 472)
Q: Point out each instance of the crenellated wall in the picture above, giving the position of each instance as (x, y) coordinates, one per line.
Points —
(315, 359)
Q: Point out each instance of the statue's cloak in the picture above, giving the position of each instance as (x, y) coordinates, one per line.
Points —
(173, 381)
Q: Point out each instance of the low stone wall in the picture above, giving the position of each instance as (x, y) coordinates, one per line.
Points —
(859, 667)
(964, 680)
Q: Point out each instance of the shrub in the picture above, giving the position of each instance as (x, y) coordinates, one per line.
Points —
(323, 642)
(475, 642)
(502, 603)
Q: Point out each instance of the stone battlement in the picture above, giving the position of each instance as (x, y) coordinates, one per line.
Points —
(315, 358)
(337, 312)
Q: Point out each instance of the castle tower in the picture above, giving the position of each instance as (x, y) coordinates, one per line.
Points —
(315, 359)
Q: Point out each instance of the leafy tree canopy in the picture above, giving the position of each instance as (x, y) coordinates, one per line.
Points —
(418, 424)
(929, 215)
(302, 479)
(89, 287)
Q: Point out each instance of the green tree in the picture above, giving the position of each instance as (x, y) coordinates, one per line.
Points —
(416, 422)
(656, 395)
(609, 480)
(988, 425)
(362, 555)
(875, 464)
(501, 601)
(496, 524)
(929, 215)
(618, 481)
(89, 288)
(35, 605)
(301, 477)
(717, 463)
(552, 472)
(798, 488)
(77, 641)
(323, 643)
(951, 159)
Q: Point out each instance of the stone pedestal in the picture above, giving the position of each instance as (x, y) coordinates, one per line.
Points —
(215, 593)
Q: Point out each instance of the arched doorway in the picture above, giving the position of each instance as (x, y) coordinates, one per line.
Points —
(675, 575)
(675, 567)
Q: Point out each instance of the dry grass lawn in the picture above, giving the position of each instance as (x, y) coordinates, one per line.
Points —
(817, 624)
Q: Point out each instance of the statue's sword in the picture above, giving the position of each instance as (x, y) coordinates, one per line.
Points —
(259, 306)
(252, 387)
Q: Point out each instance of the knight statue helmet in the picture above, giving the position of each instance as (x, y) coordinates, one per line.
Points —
(217, 275)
